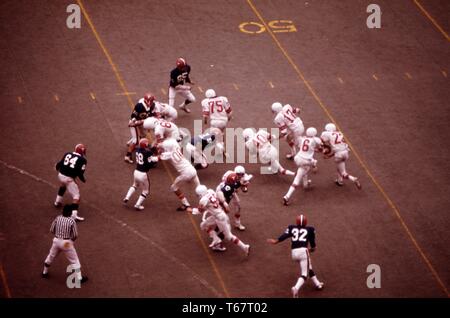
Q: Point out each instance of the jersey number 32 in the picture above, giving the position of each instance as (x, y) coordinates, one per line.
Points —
(299, 235)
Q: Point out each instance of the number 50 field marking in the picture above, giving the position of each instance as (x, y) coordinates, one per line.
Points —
(277, 26)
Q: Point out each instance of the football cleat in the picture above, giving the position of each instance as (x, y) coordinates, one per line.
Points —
(339, 183)
(285, 201)
(358, 184)
(240, 227)
(139, 207)
(320, 286)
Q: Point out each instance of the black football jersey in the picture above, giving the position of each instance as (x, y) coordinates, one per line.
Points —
(300, 236)
(179, 77)
(140, 111)
(143, 159)
(228, 190)
(72, 165)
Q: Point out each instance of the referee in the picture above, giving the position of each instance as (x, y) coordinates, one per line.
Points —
(64, 228)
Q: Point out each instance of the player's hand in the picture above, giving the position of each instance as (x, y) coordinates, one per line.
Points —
(312, 249)
(272, 241)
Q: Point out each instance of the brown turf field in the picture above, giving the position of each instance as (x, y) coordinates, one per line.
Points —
(387, 89)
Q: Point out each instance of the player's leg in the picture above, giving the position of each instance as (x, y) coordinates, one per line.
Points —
(208, 225)
(172, 93)
(306, 182)
(175, 187)
(303, 262)
(223, 223)
(132, 189)
(144, 184)
(290, 139)
(189, 98)
(275, 165)
(54, 251)
(235, 206)
(312, 275)
(61, 191)
(131, 144)
(74, 191)
(294, 185)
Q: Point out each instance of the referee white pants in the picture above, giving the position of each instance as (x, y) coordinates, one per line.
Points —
(68, 248)
(301, 255)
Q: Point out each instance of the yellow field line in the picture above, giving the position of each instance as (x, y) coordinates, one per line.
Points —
(379, 187)
(5, 282)
(105, 51)
(432, 20)
(125, 90)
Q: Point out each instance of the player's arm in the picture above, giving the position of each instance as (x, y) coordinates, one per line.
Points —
(58, 165)
(188, 78)
(53, 227)
(73, 232)
(81, 172)
(223, 203)
(282, 237)
(312, 239)
(205, 109)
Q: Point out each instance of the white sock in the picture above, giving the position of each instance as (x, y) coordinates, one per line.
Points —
(130, 192)
(290, 192)
(299, 283)
(185, 201)
(315, 280)
(141, 199)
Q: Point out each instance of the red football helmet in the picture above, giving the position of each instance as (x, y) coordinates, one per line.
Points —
(81, 149)
(149, 99)
(143, 143)
(181, 62)
(232, 178)
(301, 220)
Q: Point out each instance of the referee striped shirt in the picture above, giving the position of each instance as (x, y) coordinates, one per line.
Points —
(64, 228)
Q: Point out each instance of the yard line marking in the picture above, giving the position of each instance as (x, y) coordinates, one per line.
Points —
(425, 12)
(235, 86)
(124, 89)
(5, 282)
(340, 80)
(119, 222)
(375, 182)
(163, 91)
(200, 89)
(126, 93)
(444, 73)
(375, 77)
(408, 75)
(19, 99)
(105, 51)
(92, 95)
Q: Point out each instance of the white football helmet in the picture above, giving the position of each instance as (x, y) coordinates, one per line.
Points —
(170, 145)
(248, 133)
(330, 127)
(311, 132)
(150, 123)
(210, 93)
(239, 170)
(201, 190)
(276, 107)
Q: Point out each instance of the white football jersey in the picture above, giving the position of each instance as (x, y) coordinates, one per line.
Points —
(177, 159)
(217, 108)
(307, 147)
(211, 203)
(163, 109)
(335, 139)
(286, 118)
(261, 140)
(166, 129)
